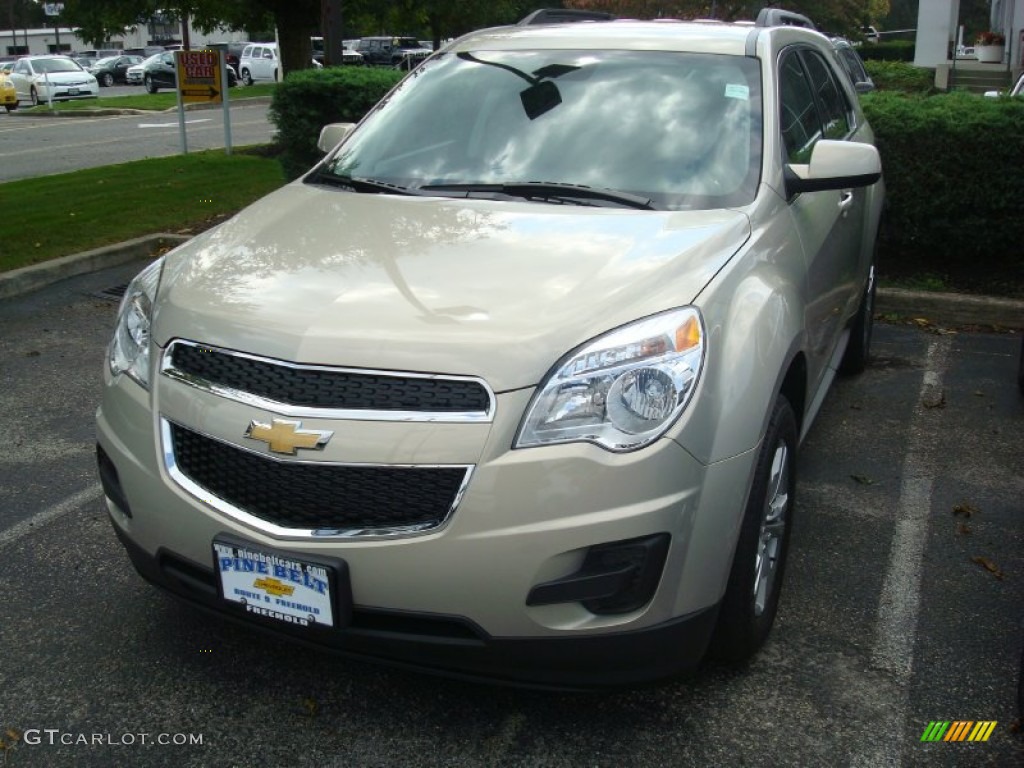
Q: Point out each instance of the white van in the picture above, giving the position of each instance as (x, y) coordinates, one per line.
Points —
(259, 61)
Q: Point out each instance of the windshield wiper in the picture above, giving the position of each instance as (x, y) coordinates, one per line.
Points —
(362, 185)
(549, 190)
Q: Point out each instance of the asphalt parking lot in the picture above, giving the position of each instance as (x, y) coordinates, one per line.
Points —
(903, 604)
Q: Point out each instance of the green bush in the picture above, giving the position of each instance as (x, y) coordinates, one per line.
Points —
(309, 99)
(900, 76)
(952, 166)
(890, 50)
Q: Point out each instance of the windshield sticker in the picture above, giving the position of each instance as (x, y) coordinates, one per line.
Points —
(734, 91)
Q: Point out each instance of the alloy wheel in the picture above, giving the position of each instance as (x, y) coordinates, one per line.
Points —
(773, 528)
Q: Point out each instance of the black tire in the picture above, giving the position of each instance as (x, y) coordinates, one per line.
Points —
(11, 107)
(34, 96)
(107, 79)
(751, 599)
(858, 350)
(150, 85)
(246, 77)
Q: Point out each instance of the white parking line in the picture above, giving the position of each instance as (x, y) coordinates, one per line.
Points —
(40, 519)
(173, 124)
(899, 605)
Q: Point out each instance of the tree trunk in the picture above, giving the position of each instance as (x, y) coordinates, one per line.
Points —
(294, 44)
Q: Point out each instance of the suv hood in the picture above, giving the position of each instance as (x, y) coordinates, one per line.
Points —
(486, 288)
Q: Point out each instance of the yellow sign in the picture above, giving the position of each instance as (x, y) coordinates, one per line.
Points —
(273, 586)
(199, 76)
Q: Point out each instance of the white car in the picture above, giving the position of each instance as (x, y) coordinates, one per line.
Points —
(38, 78)
(259, 63)
(512, 383)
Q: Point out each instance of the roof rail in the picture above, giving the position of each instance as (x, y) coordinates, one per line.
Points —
(562, 15)
(776, 17)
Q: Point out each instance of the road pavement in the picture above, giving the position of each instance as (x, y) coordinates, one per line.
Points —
(42, 145)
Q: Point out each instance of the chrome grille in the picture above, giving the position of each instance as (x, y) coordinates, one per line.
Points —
(312, 498)
(341, 392)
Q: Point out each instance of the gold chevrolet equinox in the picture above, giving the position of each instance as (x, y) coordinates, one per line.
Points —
(512, 383)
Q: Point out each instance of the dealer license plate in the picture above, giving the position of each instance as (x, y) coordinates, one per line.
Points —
(275, 586)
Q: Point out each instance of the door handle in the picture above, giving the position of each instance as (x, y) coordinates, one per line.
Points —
(845, 200)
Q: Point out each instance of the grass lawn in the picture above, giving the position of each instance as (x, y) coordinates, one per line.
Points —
(157, 101)
(58, 215)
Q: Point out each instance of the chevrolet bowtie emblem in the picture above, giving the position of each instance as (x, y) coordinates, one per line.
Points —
(285, 436)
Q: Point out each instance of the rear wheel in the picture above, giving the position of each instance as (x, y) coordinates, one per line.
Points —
(11, 107)
(752, 596)
(246, 77)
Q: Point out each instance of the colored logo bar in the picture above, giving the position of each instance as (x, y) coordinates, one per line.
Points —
(959, 730)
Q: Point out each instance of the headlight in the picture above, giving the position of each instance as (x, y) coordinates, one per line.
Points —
(624, 389)
(129, 349)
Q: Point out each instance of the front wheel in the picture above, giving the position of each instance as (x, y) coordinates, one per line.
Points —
(150, 85)
(11, 107)
(755, 582)
(107, 80)
(33, 94)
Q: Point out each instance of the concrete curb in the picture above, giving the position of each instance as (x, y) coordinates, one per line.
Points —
(36, 276)
(942, 309)
(951, 309)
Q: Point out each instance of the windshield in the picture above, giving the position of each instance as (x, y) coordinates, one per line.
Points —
(50, 66)
(683, 130)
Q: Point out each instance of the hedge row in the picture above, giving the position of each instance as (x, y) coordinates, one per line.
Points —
(900, 76)
(309, 99)
(891, 50)
(952, 166)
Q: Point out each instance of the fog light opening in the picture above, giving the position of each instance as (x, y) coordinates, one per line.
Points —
(617, 577)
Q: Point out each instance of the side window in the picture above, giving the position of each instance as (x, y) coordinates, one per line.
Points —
(268, 53)
(800, 124)
(835, 110)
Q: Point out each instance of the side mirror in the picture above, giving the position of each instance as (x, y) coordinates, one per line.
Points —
(332, 135)
(864, 86)
(835, 165)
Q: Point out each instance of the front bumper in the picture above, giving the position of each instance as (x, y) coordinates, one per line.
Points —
(454, 647)
(64, 93)
(455, 598)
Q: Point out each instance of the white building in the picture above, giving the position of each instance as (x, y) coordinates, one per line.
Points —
(938, 32)
(159, 31)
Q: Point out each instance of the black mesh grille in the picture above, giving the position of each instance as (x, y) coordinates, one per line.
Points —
(295, 495)
(326, 388)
